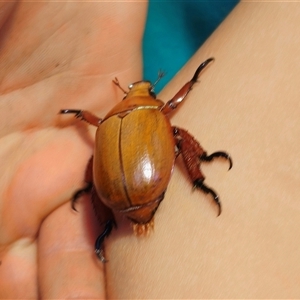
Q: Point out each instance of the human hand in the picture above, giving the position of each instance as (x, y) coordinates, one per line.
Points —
(54, 56)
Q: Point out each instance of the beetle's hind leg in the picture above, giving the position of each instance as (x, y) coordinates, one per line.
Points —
(109, 225)
(193, 154)
(106, 218)
(103, 213)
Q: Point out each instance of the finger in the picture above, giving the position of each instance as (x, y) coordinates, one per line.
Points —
(68, 266)
(18, 270)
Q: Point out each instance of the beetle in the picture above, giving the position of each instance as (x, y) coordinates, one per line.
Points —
(134, 155)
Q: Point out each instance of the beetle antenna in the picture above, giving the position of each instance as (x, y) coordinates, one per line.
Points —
(160, 75)
(117, 83)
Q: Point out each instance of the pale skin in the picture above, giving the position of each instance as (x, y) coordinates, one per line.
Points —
(247, 103)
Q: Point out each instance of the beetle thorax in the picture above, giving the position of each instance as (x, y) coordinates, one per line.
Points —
(140, 88)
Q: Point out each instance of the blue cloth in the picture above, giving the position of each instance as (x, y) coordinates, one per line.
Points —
(175, 30)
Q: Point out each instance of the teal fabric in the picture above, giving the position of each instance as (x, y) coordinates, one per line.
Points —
(175, 30)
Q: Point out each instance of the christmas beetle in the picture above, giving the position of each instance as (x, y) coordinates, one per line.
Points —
(134, 155)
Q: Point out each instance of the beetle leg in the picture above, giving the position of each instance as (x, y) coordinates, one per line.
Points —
(102, 212)
(83, 115)
(100, 240)
(204, 157)
(105, 217)
(193, 154)
(88, 178)
(180, 96)
(87, 189)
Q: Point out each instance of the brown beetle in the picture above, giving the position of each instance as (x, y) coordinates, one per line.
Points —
(135, 151)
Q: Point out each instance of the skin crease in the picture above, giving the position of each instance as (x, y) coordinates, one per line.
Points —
(247, 103)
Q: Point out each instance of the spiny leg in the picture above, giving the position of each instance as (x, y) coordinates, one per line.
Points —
(106, 218)
(88, 178)
(109, 225)
(102, 212)
(193, 154)
(180, 96)
(83, 115)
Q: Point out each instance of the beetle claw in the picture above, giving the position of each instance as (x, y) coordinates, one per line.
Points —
(100, 255)
(77, 112)
(79, 193)
(73, 205)
(200, 68)
(223, 154)
(199, 184)
(99, 242)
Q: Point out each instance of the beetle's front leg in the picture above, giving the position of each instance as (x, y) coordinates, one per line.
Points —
(193, 154)
(180, 96)
(83, 115)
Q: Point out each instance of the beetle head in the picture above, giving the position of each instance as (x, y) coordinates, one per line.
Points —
(142, 89)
